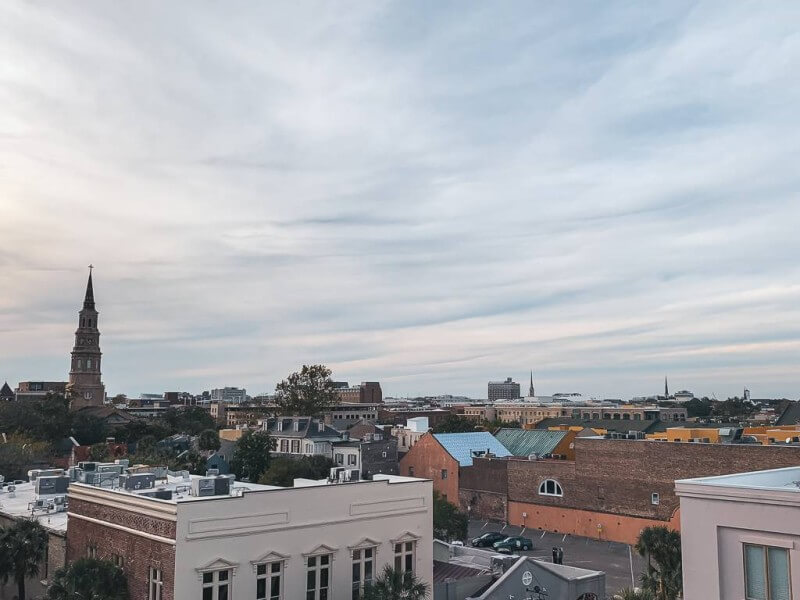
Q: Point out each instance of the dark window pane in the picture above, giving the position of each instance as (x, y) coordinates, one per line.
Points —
(311, 580)
(398, 548)
(324, 560)
(397, 563)
(368, 571)
(409, 546)
(275, 592)
(368, 553)
(323, 578)
(223, 575)
(356, 572)
(208, 577)
(208, 593)
(276, 567)
(222, 592)
(261, 589)
(312, 561)
(261, 570)
(309, 595)
(323, 595)
(409, 562)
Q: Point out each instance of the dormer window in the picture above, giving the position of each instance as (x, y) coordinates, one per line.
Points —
(297, 425)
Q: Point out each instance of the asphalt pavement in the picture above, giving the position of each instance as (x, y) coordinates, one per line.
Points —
(620, 562)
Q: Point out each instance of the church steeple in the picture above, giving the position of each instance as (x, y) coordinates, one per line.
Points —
(531, 391)
(85, 384)
(88, 300)
(666, 387)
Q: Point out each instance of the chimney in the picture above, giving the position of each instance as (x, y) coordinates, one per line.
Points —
(321, 426)
(297, 425)
(280, 424)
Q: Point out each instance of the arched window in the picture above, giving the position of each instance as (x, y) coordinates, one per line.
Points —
(550, 487)
(88, 363)
(80, 364)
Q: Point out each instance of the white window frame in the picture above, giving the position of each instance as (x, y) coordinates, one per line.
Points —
(765, 548)
(155, 583)
(557, 492)
(91, 551)
(405, 551)
(318, 568)
(268, 575)
(352, 460)
(118, 560)
(655, 499)
(216, 583)
(359, 585)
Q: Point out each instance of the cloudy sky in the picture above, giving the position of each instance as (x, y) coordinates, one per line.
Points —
(426, 194)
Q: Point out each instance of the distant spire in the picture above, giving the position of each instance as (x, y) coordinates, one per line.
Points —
(666, 387)
(531, 391)
(88, 301)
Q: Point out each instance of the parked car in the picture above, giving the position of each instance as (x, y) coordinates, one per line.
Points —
(487, 540)
(512, 544)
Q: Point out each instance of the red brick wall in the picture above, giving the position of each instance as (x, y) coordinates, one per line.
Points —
(483, 492)
(619, 476)
(140, 553)
(427, 458)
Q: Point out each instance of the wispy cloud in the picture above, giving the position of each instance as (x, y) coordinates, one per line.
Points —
(430, 195)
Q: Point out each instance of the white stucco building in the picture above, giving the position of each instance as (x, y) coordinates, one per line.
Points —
(740, 535)
(315, 541)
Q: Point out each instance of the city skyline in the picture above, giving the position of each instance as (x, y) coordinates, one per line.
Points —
(432, 199)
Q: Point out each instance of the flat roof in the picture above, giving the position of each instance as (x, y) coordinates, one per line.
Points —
(19, 506)
(784, 480)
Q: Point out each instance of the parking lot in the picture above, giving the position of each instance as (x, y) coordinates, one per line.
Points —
(620, 562)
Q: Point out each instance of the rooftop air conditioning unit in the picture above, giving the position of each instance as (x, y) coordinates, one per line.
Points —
(533, 456)
(203, 487)
(139, 481)
(52, 485)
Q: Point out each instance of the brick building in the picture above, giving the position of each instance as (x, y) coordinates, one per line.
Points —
(368, 392)
(440, 457)
(503, 390)
(316, 540)
(612, 490)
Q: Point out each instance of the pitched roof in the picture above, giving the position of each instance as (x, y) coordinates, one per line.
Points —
(617, 425)
(6, 391)
(790, 415)
(306, 428)
(362, 428)
(524, 442)
(463, 446)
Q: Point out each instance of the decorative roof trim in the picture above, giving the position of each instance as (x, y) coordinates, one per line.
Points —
(219, 564)
(364, 543)
(269, 557)
(406, 537)
(319, 550)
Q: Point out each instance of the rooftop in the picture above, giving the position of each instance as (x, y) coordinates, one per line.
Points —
(782, 480)
(21, 504)
(524, 442)
(464, 446)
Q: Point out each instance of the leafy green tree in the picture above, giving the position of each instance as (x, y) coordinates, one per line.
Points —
(146, 445)
(209, 440)
(661, 547)
(88, 429)
(307, 393)
(24, 544)
(190, 461)
(20, 453)
(455, 424)
(47, 419)
(697, 407)
(89, 578)
(733, 407)
(251, 456)
(188, 419)
(396, 585)
(283, 471)
(99, 452)
(139, 428)
(449, 523)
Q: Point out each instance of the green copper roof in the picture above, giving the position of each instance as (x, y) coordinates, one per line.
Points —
(524, 442)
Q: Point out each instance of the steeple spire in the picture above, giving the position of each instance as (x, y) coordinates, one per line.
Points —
(88, 301)
(666, 387)
(531, 391)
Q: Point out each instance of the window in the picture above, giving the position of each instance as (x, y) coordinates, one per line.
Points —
(269, 581)
(318, 577)
(88, 363)
(383, 454)
(155, 583)
(119, 561)
(550, 487)
(285, 446)
(80, 364)
(339, 458)
(363, 563)
(444, 473)
(410, 471)
(766, 572)
(91, 551)
(655, 498)
(217, 585)
(352, 459)
(295, 446)
(404, 556)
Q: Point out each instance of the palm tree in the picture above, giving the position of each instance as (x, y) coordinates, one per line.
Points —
(89, 578)
(661, 547)
(24, 545)
(396, 585)
(634, 594)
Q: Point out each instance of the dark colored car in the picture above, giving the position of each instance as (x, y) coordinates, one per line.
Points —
(487, 540)
(512, 544)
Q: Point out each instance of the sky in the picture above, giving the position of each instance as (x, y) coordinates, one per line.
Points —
(430, 195)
